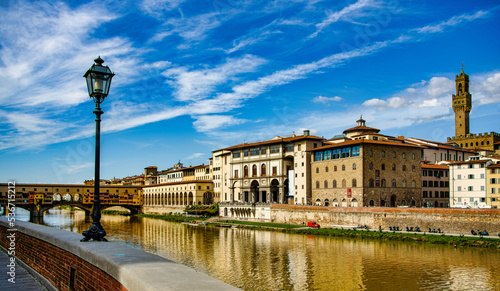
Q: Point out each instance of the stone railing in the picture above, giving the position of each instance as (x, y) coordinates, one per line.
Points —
(68, 264)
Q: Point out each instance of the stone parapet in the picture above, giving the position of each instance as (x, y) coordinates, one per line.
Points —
(69, 264)
(449, 220)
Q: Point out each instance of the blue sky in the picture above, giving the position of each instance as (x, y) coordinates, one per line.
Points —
(195, 76)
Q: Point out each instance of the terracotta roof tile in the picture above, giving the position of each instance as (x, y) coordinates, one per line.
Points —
(281, 140)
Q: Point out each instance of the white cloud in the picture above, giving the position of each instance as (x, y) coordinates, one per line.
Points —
(323, 99)
(333, 17)
(454, 21)
(199, 84)
(72, 169)
(207, 123)
(195, 156)
(439, 86)
(485, 88)
(159, 7)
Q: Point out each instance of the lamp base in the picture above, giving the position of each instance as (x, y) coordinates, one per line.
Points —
(95, 232)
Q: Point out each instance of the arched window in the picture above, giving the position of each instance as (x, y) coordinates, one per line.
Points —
(344, 183)
(393, 154)
(326, 184)
(372, 203)
(354, 166)
(413, 168)
(334, 184)
(393, 183)
(317, 170)
(404, 168)
(335, 168)
(382, 183)
(413, 184)
(370, 166)
(371, 183)
(413, 156)
(354, 183)
(343, 167)
(404, 155)
(254, 171)
(382, 167)
(245, 171)
(263, 170)
(403, 184)
(317, 184)
(394, 167)
(326, 169)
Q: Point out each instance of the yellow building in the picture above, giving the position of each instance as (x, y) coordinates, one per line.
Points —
(178, 194)
(493, 185)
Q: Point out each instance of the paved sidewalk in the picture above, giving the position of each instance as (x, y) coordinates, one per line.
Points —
(24, 281)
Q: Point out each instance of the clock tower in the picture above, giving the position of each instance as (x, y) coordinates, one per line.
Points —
(462, 104)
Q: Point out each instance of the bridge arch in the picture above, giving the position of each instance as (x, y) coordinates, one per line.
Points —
(67, 197)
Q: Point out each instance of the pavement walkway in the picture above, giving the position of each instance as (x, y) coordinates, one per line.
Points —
(24, 280)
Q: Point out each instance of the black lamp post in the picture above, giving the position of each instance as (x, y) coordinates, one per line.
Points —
(98, 82)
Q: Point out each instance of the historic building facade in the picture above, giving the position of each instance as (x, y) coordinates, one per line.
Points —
(493, 185)
(178, 194)
(435, 185)
(468, 182)
(369, 170)
(462, 105)
(434, 152)
(272, 171)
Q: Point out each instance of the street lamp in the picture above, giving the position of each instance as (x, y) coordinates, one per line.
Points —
(98, 82)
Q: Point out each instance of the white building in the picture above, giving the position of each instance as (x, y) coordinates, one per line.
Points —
(468, 182)
(272, 171)
(434, 152)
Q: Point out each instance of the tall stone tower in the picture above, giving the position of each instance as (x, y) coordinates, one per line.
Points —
(462, 104)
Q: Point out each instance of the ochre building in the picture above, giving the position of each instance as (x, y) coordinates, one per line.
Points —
(370, 169)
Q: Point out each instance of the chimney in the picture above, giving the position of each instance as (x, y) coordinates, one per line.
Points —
(306, 132)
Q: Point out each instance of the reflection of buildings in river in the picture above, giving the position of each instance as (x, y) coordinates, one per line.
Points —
(261, 260)
(462, 277)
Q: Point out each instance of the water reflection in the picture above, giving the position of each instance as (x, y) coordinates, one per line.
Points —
(261, 260)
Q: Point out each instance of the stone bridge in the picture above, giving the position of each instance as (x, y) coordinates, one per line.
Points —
(38, 198)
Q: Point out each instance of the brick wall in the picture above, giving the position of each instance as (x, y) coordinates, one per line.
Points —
(449, 220)
(55, 264)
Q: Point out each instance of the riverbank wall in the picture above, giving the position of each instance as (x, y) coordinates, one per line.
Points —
(163, 210)
(68, 264)
(448, 220)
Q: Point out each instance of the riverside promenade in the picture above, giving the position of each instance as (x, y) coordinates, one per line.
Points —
(26, 279)
(68, 264)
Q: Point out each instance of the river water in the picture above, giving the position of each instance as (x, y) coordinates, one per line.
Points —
(263, 260)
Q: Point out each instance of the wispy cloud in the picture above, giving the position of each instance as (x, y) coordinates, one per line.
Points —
(453, 21)
(198, 84)
(323, 99)
(336, 16)
(207, 123)
(44, 46)
(195, 156)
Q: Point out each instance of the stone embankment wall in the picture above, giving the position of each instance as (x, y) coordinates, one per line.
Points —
(68, 264)
(163, 209)
(449, 220)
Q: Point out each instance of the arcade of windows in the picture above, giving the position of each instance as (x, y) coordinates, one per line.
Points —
(337, 153)
(254, 171)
